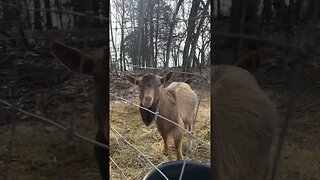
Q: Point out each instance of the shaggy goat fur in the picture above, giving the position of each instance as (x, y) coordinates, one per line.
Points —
(244, 125)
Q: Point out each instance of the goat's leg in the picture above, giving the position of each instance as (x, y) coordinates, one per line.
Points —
(186, 126)
(166, 145)
(178, 145)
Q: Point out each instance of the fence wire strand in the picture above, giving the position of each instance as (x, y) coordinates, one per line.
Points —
(119, 168)
(141, 153)
(17, 46)
(156, 114)
(83, 138)
(193, 124)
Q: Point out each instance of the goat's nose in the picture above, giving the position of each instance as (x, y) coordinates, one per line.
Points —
(148, 99)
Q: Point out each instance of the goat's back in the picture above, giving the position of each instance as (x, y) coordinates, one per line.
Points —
(185, 99)
(244, 121)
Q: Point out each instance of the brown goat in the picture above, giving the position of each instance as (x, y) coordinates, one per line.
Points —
(96, 65)
(177, 103)
(244, 125)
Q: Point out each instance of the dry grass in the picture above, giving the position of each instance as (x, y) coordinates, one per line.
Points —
(38, 150)
(126, 120)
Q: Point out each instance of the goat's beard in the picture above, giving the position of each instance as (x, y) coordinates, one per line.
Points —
(147, 117)
(146, 104)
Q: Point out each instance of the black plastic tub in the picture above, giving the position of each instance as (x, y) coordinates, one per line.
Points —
(193, 170)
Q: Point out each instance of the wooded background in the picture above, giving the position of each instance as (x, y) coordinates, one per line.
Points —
(160, 33)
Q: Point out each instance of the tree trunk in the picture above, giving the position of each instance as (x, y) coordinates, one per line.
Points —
(114, 46)
(28, 17)
(155, 63)
(79, 6)
(144, 45)
(37, 15)
(244, 12)
(96, 7)
(178, 52)
(196, 37)
(48, 15)
(251, 17)
(57, 4)
(122, 64)
(218, 8)
(190, 32)
(281, 9)
(151, 35)
(172, 25)
(141, 29)
(266, 11)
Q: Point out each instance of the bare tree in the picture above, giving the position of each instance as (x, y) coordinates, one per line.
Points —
(155, 63)
(122, 63)
(150, 60)
(113, 45)
(57, 4)
(190, 32)
(193, 36)
(37, 15)
(48, 15)
(172, 25)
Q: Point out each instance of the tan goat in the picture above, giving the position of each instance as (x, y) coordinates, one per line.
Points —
(177, 103)
(95, 64)
(244, 125)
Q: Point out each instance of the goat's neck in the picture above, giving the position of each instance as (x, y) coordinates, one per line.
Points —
(163, 100)
(147, 116)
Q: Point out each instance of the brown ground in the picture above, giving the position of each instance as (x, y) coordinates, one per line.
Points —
(301, 153)
(38, 147)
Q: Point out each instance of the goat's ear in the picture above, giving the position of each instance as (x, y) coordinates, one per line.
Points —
(250, 61)
(71, 58)
(167, 77)
(132, 79)
(188, 81)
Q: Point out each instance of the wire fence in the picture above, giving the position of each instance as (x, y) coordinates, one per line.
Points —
(127, 123)
(16, 104)
(151, 153)
(12, 106)
(302, 48)
(26, 89)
